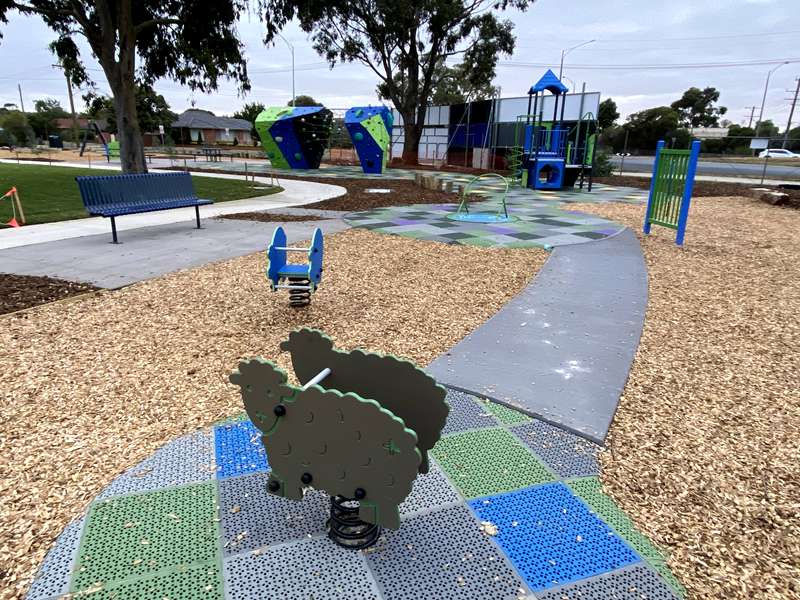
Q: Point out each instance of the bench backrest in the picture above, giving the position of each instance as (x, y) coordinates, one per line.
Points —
(136, 189)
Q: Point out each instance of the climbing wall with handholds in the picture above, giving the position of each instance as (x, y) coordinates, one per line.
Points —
(294, 137)
(370, 129)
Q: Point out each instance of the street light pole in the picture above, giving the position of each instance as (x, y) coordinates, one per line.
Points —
(764, 97)
(567, 51)
(291, 49)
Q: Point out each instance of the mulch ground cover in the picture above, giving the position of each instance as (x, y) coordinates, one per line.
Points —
(701, 188)
(92, 387)
(24, 291)
(268, 217)
(358, 198)
(703, 450)
(402, 193)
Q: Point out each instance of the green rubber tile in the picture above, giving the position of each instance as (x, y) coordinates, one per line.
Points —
(504, 414)
(590, 490)
(130, 537)
(237, 418)
(198, 582)
(489, 461)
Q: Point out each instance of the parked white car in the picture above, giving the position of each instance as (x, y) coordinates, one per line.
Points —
(777, 153)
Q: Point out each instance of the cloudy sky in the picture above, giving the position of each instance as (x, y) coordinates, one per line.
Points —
(636, 42)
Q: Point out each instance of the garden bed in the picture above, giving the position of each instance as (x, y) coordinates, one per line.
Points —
(268, 217)
(704, 445)
(702, 189)
(24, 291)
(94, 386)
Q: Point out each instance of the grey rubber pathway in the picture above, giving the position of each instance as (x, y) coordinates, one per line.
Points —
(563, 347)
(150, 251)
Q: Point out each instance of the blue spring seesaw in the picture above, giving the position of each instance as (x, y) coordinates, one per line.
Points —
(300, 279)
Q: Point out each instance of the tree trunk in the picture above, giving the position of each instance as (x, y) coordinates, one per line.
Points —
(131, 146)
(413, 133)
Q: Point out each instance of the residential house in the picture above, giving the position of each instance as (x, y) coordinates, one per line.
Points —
(203, 125)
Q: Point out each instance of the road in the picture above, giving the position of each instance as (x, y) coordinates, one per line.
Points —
(644, 164)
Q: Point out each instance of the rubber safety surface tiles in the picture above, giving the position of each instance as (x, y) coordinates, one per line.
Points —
(510, 509)
(542, 225)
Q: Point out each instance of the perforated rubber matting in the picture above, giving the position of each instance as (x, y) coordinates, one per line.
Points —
(506, 511)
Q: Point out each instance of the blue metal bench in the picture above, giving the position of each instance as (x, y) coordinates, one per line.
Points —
(115, 195)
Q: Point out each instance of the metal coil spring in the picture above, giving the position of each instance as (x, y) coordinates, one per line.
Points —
(346, 529)
(299, 298)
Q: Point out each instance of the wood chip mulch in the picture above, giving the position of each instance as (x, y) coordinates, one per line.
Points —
(94, 386)
(403, 192)
(268, 217)
(705, 446)
(23, 291)
(701, 189)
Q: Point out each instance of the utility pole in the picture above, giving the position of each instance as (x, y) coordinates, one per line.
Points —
(764, 98)
(752, 114)
(21, 103)
(291, 49)
(791, 114)
(567, 51)
(75, 127)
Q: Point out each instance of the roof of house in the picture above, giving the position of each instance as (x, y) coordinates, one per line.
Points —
(195, 118)
(66, 122)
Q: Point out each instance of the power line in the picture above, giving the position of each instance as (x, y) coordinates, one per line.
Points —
(708, 65)
(703, 37)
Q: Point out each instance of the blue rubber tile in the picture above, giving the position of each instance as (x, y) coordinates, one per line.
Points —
(567, 454)
(439, 555)
(551, 536)
(239, 450)
(252, 518)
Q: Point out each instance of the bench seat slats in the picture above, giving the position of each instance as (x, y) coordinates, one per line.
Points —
(127, 194)
(116, 210)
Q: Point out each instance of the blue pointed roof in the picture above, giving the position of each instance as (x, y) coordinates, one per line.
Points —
(549, 82)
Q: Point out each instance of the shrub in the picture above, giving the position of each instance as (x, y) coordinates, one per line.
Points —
(603, 167)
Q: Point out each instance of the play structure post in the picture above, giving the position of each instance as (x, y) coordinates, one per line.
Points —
(687, 192)
(671, 189)
(659, 148)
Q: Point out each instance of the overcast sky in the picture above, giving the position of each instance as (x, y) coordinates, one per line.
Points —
(642, 33)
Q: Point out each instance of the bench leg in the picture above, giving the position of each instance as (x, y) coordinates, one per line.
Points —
(197, 215)
(114, 230)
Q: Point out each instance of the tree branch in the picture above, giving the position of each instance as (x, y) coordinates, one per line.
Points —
(154, 23)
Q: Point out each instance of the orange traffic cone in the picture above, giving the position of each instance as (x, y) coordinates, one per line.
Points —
(13, 222)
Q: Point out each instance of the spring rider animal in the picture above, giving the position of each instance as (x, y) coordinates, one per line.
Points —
(360, 427)
(300, 279)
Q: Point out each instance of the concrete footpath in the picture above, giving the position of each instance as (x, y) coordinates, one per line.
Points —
(295, 193)
(150, 252)
(562, 348)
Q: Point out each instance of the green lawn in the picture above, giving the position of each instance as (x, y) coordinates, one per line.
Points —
(51, 194)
